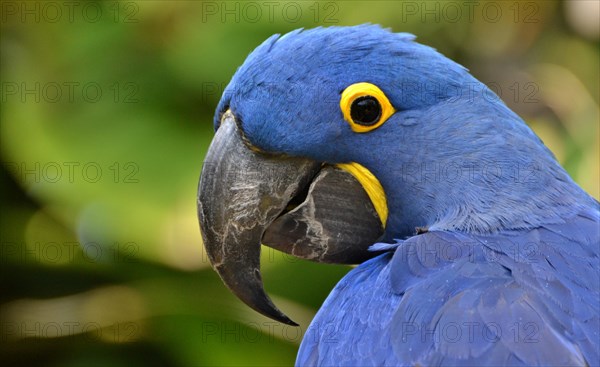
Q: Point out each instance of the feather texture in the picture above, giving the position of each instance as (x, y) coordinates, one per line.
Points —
(516, 298)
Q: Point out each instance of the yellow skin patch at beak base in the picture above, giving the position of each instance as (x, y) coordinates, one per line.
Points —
(372, 187)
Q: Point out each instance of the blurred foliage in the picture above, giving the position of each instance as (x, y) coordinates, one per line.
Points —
(106, 115)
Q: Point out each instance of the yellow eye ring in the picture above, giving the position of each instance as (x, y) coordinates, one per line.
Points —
(365, 107)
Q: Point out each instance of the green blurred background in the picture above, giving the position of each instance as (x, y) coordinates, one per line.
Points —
(105, 118)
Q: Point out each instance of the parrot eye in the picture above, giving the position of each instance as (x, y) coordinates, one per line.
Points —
(365, 107)
(365, 110)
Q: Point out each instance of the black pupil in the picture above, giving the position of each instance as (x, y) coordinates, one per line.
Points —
(365, 110)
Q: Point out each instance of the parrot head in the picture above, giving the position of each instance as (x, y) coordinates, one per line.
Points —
(333, 139)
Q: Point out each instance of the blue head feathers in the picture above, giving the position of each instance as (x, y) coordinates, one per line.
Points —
(452, 156)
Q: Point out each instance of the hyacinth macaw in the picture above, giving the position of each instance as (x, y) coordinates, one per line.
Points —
(358, 145)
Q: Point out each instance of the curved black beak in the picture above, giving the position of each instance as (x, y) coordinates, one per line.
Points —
(297, 205)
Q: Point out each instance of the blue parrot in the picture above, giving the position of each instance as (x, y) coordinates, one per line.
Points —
(357, 145)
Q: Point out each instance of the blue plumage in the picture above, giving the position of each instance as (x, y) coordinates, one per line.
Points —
(505, 267)
(520, 298)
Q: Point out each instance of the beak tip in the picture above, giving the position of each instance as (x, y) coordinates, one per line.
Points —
(281, 317)
(290, 322)
(266, 307)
